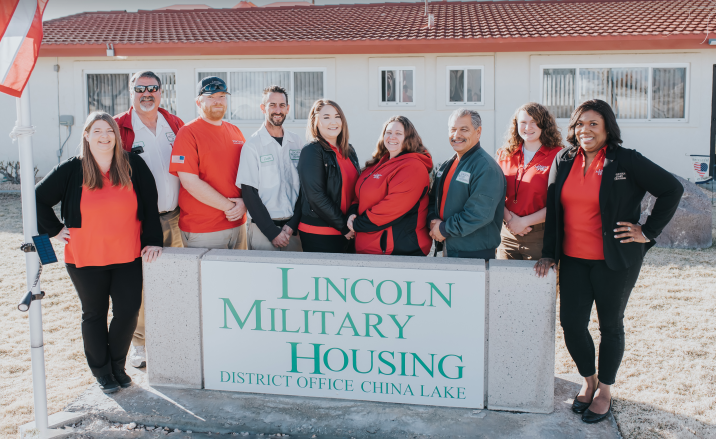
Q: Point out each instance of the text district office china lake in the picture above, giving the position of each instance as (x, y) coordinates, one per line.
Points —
(395, 335)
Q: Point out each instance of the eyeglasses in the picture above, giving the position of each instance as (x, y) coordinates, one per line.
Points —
(149, 88)
(214, 87)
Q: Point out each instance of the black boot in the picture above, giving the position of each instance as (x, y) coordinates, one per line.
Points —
(122, 378)
(107, 383)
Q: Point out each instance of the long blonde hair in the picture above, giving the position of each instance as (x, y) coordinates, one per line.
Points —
(120, 173)
(550, 137)
(314, 135)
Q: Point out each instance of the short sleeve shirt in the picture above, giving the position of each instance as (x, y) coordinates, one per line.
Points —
(270, 167)
(213, 153)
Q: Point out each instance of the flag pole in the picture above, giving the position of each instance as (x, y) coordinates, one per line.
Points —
(23, 131)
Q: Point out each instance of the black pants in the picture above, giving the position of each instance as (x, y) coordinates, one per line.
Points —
(314, 243)
(106, 350)
(583, 282)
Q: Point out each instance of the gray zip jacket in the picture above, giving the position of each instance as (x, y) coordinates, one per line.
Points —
(474, 207)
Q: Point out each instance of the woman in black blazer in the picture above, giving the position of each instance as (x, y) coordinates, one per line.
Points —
(593, 208)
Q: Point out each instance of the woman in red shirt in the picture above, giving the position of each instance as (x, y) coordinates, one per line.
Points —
(532, 142)
(111, 222)
(390, 216)
(328, 169)
(593, 207)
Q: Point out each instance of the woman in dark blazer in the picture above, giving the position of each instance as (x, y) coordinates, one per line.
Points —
(328, 170)
(593, 207)
(110, 223)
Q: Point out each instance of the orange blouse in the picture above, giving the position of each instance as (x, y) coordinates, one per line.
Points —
(110, 229)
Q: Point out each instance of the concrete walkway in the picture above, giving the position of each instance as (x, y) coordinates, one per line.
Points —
(211, 413)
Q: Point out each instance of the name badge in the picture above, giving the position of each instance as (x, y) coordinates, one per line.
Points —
(295, 154)
(138, 144)
(266, 158)
(171, 137)
(463, 177)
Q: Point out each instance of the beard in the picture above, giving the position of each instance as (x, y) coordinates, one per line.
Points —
(277, 123)
(147, 104)
(214, 112)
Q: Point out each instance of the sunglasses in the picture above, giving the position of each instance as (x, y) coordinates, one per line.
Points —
(214, 87)
(149, 88)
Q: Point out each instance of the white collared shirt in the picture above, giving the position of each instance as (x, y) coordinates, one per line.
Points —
(271, 168)
(157, 154)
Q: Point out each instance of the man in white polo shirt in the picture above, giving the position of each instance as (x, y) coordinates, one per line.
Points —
(149, 131)
(269, 180)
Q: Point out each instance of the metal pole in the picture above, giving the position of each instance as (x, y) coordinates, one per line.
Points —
(32, 262)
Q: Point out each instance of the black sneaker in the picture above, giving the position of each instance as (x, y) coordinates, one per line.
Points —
(123, 379)
(107, 383)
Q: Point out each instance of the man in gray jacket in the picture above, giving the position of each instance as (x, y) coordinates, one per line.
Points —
(468, 196)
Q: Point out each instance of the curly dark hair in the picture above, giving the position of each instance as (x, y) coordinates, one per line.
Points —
(412, 142)
(550, 137)
(614, 134)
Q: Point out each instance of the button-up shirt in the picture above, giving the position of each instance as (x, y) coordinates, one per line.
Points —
(157, 154)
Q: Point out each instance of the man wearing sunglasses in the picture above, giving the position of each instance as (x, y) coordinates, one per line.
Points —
(206, 157)
(150, 131)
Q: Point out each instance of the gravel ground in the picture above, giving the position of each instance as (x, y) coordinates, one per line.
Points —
(666, 386)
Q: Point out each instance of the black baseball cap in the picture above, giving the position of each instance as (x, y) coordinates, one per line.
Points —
(211, 85)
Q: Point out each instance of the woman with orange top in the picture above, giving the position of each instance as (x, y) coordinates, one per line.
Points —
(592, 230)
(532, 142)
(328, 170)
(391, 213)
(111, 222)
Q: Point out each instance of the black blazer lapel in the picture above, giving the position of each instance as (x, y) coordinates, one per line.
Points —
(562, 173)
(610, 171)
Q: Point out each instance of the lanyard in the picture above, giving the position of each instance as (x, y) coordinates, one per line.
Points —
(524, 171)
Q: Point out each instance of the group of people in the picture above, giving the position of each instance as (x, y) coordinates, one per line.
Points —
(144, 180)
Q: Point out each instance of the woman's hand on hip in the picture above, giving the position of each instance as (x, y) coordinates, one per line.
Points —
(543, 265)
(150, 253)
(628, 232)
(63, 236)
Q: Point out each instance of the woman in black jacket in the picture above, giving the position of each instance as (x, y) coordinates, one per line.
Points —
(593, 208)
(111, 222)
(328, 170)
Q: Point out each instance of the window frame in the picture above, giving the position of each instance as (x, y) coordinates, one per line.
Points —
(650, 66)
(130, 72)
(464, 68)
(291, 97)
(382, 69)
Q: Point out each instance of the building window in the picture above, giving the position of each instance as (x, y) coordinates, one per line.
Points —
(464, 85)
(634, 93)
(246, 87)
(109, 92)
(397, 86)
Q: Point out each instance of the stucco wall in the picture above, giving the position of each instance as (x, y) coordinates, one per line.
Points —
(511, 79)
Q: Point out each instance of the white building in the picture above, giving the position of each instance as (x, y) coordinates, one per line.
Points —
(650, 59)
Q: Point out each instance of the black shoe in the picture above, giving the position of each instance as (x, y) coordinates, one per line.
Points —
(123, 379)
(107, 383)
(591, 418)
(580, 407)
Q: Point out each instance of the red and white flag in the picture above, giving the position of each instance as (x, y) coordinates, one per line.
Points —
(20, 39)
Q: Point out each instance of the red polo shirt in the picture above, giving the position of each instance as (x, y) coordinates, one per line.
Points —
(527, 184)
(582, 215)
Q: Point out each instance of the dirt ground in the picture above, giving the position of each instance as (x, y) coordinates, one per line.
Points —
(666, 387)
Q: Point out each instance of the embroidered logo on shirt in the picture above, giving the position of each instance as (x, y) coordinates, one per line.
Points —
(599, 171)
(177, 159)
(377, 175)
(463, 177)
(171, 137)
(620, 176)
(238, 142)
(541, 168)
(266, 158)
(295, 154)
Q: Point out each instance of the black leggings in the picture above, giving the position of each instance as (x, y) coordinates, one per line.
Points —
(314, 243)
(106, 350)
(581, 283)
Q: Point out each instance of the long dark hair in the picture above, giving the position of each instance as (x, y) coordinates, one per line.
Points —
(412, 142)
(550, 137)
(314, 135)
(614, 139)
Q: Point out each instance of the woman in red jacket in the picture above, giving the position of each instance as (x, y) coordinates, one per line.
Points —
(392, 192)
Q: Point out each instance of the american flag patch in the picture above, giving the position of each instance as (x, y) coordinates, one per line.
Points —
(177, 159)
